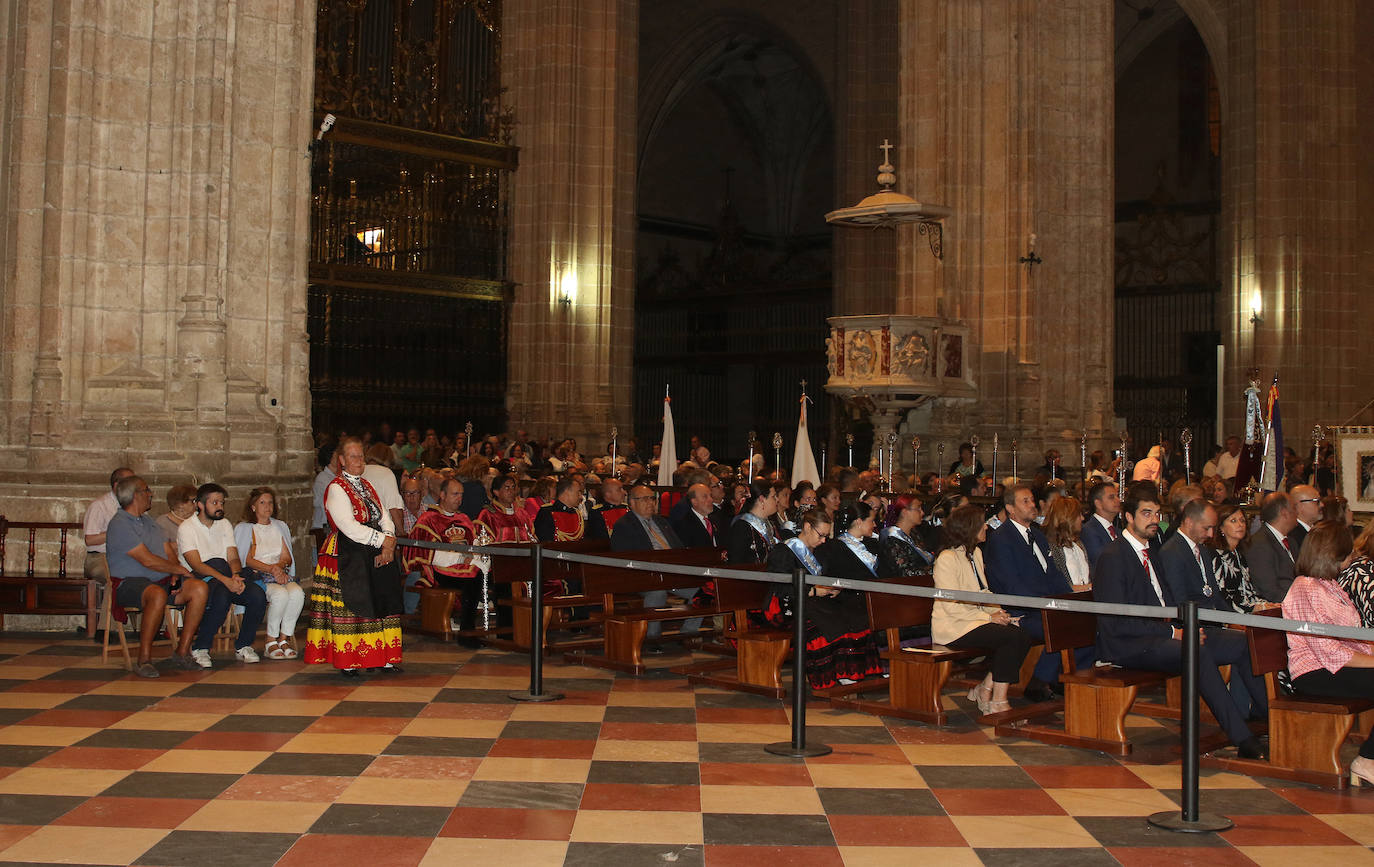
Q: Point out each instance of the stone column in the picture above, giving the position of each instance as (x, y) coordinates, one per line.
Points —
(570, 69)
(1005, 110)
(153, 295)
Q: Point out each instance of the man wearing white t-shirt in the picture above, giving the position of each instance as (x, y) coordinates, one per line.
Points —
(206, 546)
(383, 481)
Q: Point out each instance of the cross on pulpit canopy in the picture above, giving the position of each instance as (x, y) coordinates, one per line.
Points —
(885, 147)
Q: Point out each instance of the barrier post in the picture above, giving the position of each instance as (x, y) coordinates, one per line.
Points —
(1189, 820)
(536, 692)
(797, 748)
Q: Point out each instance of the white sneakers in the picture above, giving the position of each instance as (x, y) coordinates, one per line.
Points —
(202, 658)
(246, 655)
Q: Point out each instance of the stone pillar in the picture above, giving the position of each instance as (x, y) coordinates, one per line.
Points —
(570, 69)
(153, 294)
(1294, 108)
(1005, 110)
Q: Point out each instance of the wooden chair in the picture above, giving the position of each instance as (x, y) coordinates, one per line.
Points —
(1305, 732)
(108, 624)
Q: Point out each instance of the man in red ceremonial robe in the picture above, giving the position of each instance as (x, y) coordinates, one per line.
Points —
(462, 571)
(504, 521)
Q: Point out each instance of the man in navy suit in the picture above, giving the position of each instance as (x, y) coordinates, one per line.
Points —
(1101, 529)
(1188, 567)
(1129, 573)
(1017, 556)
(697, 527)
(645, 530)
(1269, 551)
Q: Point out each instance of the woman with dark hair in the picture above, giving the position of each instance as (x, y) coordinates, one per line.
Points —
(839, 645)
(1233, 572)
(903, 551)
(804, 496)
(1064, 528)
(853, 552)
(828, 498)
(264, 543)
(1337, 667)
(751, 536)
(962, 624)
(782, 496)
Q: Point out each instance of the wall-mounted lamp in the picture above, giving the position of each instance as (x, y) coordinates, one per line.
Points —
(563, 282)
(1030, 260)
(1256, 308)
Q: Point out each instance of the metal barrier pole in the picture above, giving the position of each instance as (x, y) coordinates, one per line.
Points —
(1189, 820)
(797, 748)
(536, 692)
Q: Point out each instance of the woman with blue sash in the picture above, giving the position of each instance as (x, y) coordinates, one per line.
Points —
(900, 541)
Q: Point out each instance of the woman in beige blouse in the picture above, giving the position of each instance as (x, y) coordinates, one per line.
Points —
(962, 625)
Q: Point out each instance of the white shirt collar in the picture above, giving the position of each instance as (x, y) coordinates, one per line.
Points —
(1106, 525)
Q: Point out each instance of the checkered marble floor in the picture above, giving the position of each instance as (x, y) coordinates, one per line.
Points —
(277, 763)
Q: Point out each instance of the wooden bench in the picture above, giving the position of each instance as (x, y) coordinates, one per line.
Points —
(40, 591)
(1096, 701)
(759, 652)
(624, 619)
(1305, 732)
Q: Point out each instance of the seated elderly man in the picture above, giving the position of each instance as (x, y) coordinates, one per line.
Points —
(144, 574)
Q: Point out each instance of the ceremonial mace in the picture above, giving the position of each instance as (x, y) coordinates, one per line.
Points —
(973, 441)
(1186, 437)
(849, 441)
(891, 462)
(615, 470)
(1014, 478)
(994, 460)
(1083, 460)
(777, 455)
(1121, 464)
(916, 458)
(467, 437)
(749, 477)
(1316, 451)
(939, 464)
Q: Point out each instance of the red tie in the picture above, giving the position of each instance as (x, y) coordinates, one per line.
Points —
(1111, 531)
(1286, 546)
(710, 531)
(1145, 560)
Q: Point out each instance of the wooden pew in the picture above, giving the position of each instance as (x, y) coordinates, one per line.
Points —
(511, 574)
(47, 591)
(759, 652)
(1096, 701)
(625, 621)
(1305, 732)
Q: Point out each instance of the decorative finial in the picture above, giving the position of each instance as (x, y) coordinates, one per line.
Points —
(777, 440)
(886, 176)
(915, 442)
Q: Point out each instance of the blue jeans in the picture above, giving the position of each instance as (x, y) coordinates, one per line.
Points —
(412, 600)
(253, 600)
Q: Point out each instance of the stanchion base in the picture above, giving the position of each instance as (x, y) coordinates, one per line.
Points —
(785, 748)
(529, 696)
(1172, 820)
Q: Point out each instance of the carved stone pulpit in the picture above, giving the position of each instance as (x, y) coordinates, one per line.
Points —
(886, 365)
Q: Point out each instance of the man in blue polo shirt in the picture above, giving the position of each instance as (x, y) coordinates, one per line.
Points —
(148, 573)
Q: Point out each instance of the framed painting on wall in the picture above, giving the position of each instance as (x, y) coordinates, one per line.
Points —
(1355, 451)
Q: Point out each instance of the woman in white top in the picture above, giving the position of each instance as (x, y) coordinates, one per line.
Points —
(1064, 527)
(963, 624)
(265, 542)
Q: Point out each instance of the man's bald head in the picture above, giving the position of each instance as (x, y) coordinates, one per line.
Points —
(699, 495)
(613, 492)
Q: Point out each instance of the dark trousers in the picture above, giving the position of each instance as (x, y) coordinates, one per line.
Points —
(1346, 683)
(1009, 646)
(253, 600)
(1166, 654)
(1229, 647)
(1047, 669)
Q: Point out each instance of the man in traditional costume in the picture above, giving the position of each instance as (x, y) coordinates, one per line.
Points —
(452, 569)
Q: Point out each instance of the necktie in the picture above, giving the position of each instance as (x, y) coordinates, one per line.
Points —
(1035, 549)
(1111, 531)
(1149, 573)
(710, 530)
(1287, 547)
(660, 543)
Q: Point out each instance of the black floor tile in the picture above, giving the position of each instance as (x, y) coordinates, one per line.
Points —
(406, 709)
(553, 731)
(131, 703)
(68, 649)
(578, 684)
(155, 784)
(20, 755)
(314, 764)
(1027, 755)
(661, 773)
(385, 821)
(739, 753)
(880, 802)
(678, 715)
(218, 849)
(11, 715)
(524, 796)
(849, 735)
(85, 674)
(242, 722)
(35, 809)
(1112, 831)
(735, 700)
(136, 739)
(961, 777)
(633, 855)
(1239, 802)
(741, 829)
(225, 690)
(407, 745)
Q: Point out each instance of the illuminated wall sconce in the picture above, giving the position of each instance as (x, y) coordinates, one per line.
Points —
(1256, 308)
(565, 285)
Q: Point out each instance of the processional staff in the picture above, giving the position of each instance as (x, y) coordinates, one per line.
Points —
(467, 437)
(849, 441)
(995, 439)
(615, 470)
(1121, 464)
(916, 457)
(1316, 451)
(973, 441)
(939, 466)
(1186, 437)
(1014, 476)
(777, 455)
(753, 438)
(1083, 460)
(891, 460)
